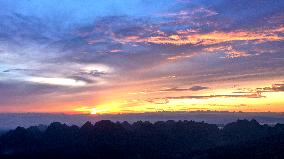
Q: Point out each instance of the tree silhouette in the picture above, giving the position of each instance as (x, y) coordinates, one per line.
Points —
(167, 140)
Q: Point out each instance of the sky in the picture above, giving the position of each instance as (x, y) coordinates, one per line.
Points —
(135, 56)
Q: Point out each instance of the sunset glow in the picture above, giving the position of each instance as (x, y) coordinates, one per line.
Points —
(141, 56)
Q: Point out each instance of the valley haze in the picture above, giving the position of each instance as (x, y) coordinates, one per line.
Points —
(13, 120)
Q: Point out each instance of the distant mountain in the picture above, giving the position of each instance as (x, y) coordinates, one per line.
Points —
(12, 120)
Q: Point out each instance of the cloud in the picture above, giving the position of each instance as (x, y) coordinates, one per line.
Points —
(166, 100)
(273, 88)
(57, 81)
(225, 105)
(231, 53)
(198, 88)
(17, 69)
(191, 14)
(253, 95)
(116, 51)
(216, 37)
(16, 93)
(175, 89)
(133, 35)
(158, 101)
(180, 56)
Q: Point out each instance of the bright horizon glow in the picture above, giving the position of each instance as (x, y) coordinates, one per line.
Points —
(93, 111)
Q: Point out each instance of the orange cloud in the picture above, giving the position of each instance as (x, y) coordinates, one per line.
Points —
(195, 37)
(129, 39)
(216, 37)
(178, 57)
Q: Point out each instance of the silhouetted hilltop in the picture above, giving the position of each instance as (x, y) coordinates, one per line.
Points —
(162, 139)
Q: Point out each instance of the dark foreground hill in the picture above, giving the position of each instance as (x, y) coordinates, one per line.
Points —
(161, 140)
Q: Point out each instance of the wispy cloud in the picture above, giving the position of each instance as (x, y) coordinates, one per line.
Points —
(253, 95)
(56, 81)
(181, 56)
(228, 50)
(17, 69)
(176, 89)
(272, 88)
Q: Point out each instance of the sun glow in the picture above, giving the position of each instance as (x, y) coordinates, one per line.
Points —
(93, 111)
(221, 97)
